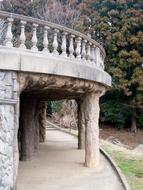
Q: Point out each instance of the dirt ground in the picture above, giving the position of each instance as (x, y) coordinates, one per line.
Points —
(123, 135)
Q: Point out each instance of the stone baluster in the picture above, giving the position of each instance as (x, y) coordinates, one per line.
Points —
(89, 52)
(71, 47)
(45, 39)
(102, 61)
(64, 44)
(55, 42)
(93, 55)
(22, 35)
(83, 54)
(34, 38)
(97, 56)
(78, 48)
(8, 38)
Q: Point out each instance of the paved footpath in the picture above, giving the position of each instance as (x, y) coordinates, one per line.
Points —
(59, 166)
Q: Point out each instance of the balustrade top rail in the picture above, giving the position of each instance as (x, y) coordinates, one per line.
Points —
(86, 48)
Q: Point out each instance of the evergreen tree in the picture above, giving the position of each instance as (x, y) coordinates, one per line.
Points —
(119, 27)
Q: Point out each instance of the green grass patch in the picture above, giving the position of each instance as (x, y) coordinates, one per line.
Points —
(131, 166)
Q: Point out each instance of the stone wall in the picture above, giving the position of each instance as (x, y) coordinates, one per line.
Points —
(8, 129)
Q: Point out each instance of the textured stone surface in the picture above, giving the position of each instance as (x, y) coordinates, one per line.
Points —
(42, 121)
(8, 101)
(32, 126)
(6, 146)
(27, 128)
(91, 115)
(81, 126)
(24, 61)
(45, 86)
(8, 86)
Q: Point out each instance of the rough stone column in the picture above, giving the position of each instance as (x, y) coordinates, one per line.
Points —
(42, 121)
(8, 130)
(91, 114)
(27, 127)
(81, 125)
(36, 126)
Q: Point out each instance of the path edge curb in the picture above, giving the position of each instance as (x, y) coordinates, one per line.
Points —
(113, 164)
(116, 169)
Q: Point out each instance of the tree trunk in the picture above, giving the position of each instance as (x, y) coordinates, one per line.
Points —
(133, 121)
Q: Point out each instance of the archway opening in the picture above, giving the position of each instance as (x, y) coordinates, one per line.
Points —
(33, 113)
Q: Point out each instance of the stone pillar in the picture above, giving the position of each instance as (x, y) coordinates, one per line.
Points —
(28, 127)
(42, 121)
(32, 126)
(8, 130)
(36, 126)
(91, 115)
(81, 125)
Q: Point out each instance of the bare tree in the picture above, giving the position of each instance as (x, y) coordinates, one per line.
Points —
(66, 15)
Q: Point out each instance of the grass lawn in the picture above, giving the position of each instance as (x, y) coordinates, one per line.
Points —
(131, 166)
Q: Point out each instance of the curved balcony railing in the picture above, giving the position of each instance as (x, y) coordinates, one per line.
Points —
(54, 39)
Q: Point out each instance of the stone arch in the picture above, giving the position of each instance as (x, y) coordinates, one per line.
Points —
(38, 87)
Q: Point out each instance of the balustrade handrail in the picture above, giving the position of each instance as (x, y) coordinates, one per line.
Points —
(66, 42)
(4, 14)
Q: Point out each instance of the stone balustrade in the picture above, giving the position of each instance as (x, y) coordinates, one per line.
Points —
(40, 60)
(54, 40)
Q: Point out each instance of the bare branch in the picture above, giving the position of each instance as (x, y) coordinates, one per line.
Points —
(56, 12)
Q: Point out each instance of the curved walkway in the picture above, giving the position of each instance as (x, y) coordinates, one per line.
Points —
(59, 166)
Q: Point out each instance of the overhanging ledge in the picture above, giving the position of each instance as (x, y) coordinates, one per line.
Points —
(38, 62)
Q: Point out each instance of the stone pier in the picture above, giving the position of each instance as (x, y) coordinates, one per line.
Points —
(88, 126)
(32, 128)
(81, 125)
(29, 139)
(91, 115)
